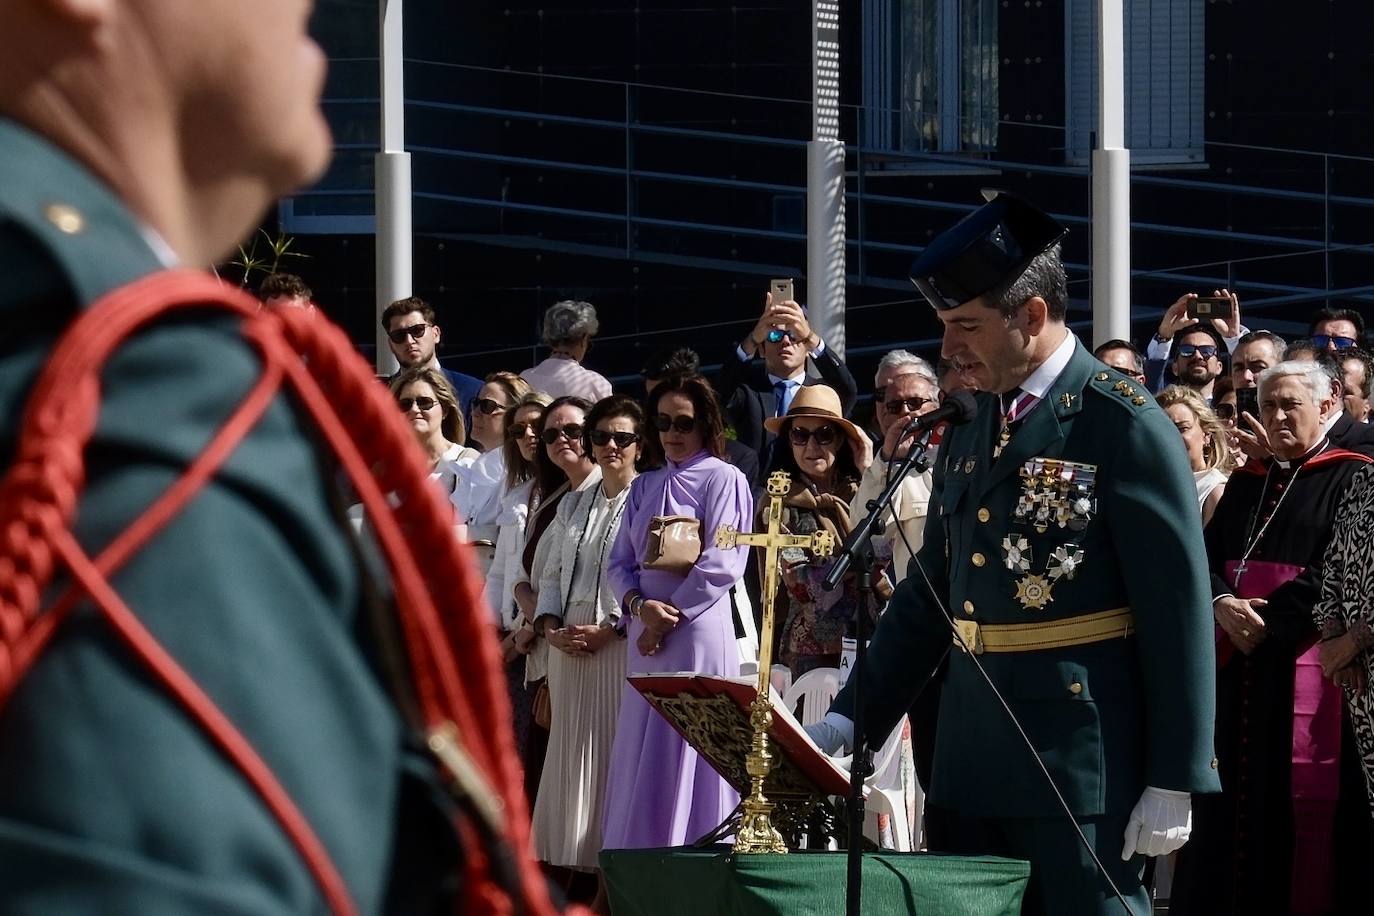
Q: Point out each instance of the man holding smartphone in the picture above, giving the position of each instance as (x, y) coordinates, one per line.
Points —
(785, 339)
(1180, 317)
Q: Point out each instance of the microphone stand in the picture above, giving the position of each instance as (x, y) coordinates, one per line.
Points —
(857, 551)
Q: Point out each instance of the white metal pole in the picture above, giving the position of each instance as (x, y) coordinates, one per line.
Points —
(392, 167)
(825, 221)
(1111, 184)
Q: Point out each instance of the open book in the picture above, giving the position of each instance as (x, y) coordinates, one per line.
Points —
(712, 714)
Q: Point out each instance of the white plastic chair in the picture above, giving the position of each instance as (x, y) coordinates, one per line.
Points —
(886, 794)
(814, 690)
(780, 678)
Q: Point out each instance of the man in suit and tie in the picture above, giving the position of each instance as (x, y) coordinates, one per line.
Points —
(784, 338)
(1032, 565)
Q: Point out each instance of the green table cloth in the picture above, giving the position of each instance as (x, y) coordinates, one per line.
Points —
(668, 882)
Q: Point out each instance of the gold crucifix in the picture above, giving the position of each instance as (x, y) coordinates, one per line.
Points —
(756, 831)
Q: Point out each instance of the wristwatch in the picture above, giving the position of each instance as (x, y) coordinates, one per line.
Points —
(635, 603)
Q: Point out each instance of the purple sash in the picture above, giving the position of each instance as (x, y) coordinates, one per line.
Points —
(1316, 752)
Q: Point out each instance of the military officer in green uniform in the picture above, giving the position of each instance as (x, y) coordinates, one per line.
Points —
(136, 135)
(1064, 550)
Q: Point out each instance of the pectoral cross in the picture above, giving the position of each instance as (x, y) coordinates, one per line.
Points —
(756, 832)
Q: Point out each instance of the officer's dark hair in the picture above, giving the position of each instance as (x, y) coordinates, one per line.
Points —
(679, 361)
(1043, 277)
(1217, 340)
(1366, 360)
(1276, 340)
(1118, 344)
(1333, 313)
(405, 307)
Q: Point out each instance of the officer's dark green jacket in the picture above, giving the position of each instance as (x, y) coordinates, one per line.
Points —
(1109, 718)
(111, 800)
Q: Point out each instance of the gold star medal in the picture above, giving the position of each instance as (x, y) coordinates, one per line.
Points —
(1033, 592)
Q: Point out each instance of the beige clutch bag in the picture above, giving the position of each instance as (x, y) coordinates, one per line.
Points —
(674, 544)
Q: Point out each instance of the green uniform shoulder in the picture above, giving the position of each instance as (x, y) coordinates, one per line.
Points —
(1124, 391)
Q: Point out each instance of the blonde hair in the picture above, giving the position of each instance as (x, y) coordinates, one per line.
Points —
(452, 425)
(1216, 454)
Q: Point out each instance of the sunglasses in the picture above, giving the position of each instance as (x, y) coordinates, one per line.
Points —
(898, 405)
(422, 403)
(622, 440)
(778, 336)
(1224, 411)
(824, 435)
(489, 406)
(572, 432)
(520, 430)
(1323, 341)
(401, 334)
(682, 424)
(1206, 351)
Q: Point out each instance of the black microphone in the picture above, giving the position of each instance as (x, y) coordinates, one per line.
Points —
(959, 407)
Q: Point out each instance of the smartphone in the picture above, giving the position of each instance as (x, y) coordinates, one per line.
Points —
(782, 291)
(1210, 307)
(1247, 401)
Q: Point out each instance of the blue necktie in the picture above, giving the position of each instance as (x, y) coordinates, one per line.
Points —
(780, 401)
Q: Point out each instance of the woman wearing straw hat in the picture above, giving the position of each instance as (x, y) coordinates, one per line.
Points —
(826, 456)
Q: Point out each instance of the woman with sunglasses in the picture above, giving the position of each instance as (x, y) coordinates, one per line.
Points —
(659, 791)
(1206, 440)
(561, 467)
(825, 455)
(477, 495)
(432, 410)
(577, 615)
(519, 493)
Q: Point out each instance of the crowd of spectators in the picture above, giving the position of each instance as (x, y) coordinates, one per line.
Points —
(567, 491)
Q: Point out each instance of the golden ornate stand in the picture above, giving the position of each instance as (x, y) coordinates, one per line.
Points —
(756, 831)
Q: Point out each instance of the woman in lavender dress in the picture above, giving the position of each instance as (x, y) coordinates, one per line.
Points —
(659, 791)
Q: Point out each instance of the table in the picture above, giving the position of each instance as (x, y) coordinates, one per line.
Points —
(713, 882)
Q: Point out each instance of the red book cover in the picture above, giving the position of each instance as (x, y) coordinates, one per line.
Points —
(712, 715)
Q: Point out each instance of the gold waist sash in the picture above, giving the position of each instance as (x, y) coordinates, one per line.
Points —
(1047, 634)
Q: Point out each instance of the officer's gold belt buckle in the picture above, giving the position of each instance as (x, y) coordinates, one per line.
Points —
(1043, 634)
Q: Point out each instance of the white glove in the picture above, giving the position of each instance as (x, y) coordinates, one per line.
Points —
(827, 737)
(1160, 823)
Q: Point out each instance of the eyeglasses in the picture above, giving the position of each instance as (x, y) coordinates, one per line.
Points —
(622, 440)
(572, 432)
(682, 423)
(422, 403)
(1224, 411)
(777, 335)
(400, 334)
(898, 405)
(520, 430)
(488, 406)
(1206, 351)
(1324, 341)
(824, 435)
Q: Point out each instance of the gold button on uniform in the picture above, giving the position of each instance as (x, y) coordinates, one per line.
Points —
(65, 217)
(979, 559)
(968, 607)
(1075, 688)
(984, 515)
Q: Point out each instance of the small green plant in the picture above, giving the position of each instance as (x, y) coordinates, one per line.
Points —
(250, 261)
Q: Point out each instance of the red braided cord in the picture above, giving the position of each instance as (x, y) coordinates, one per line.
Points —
(38, 497)
(478, 705)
